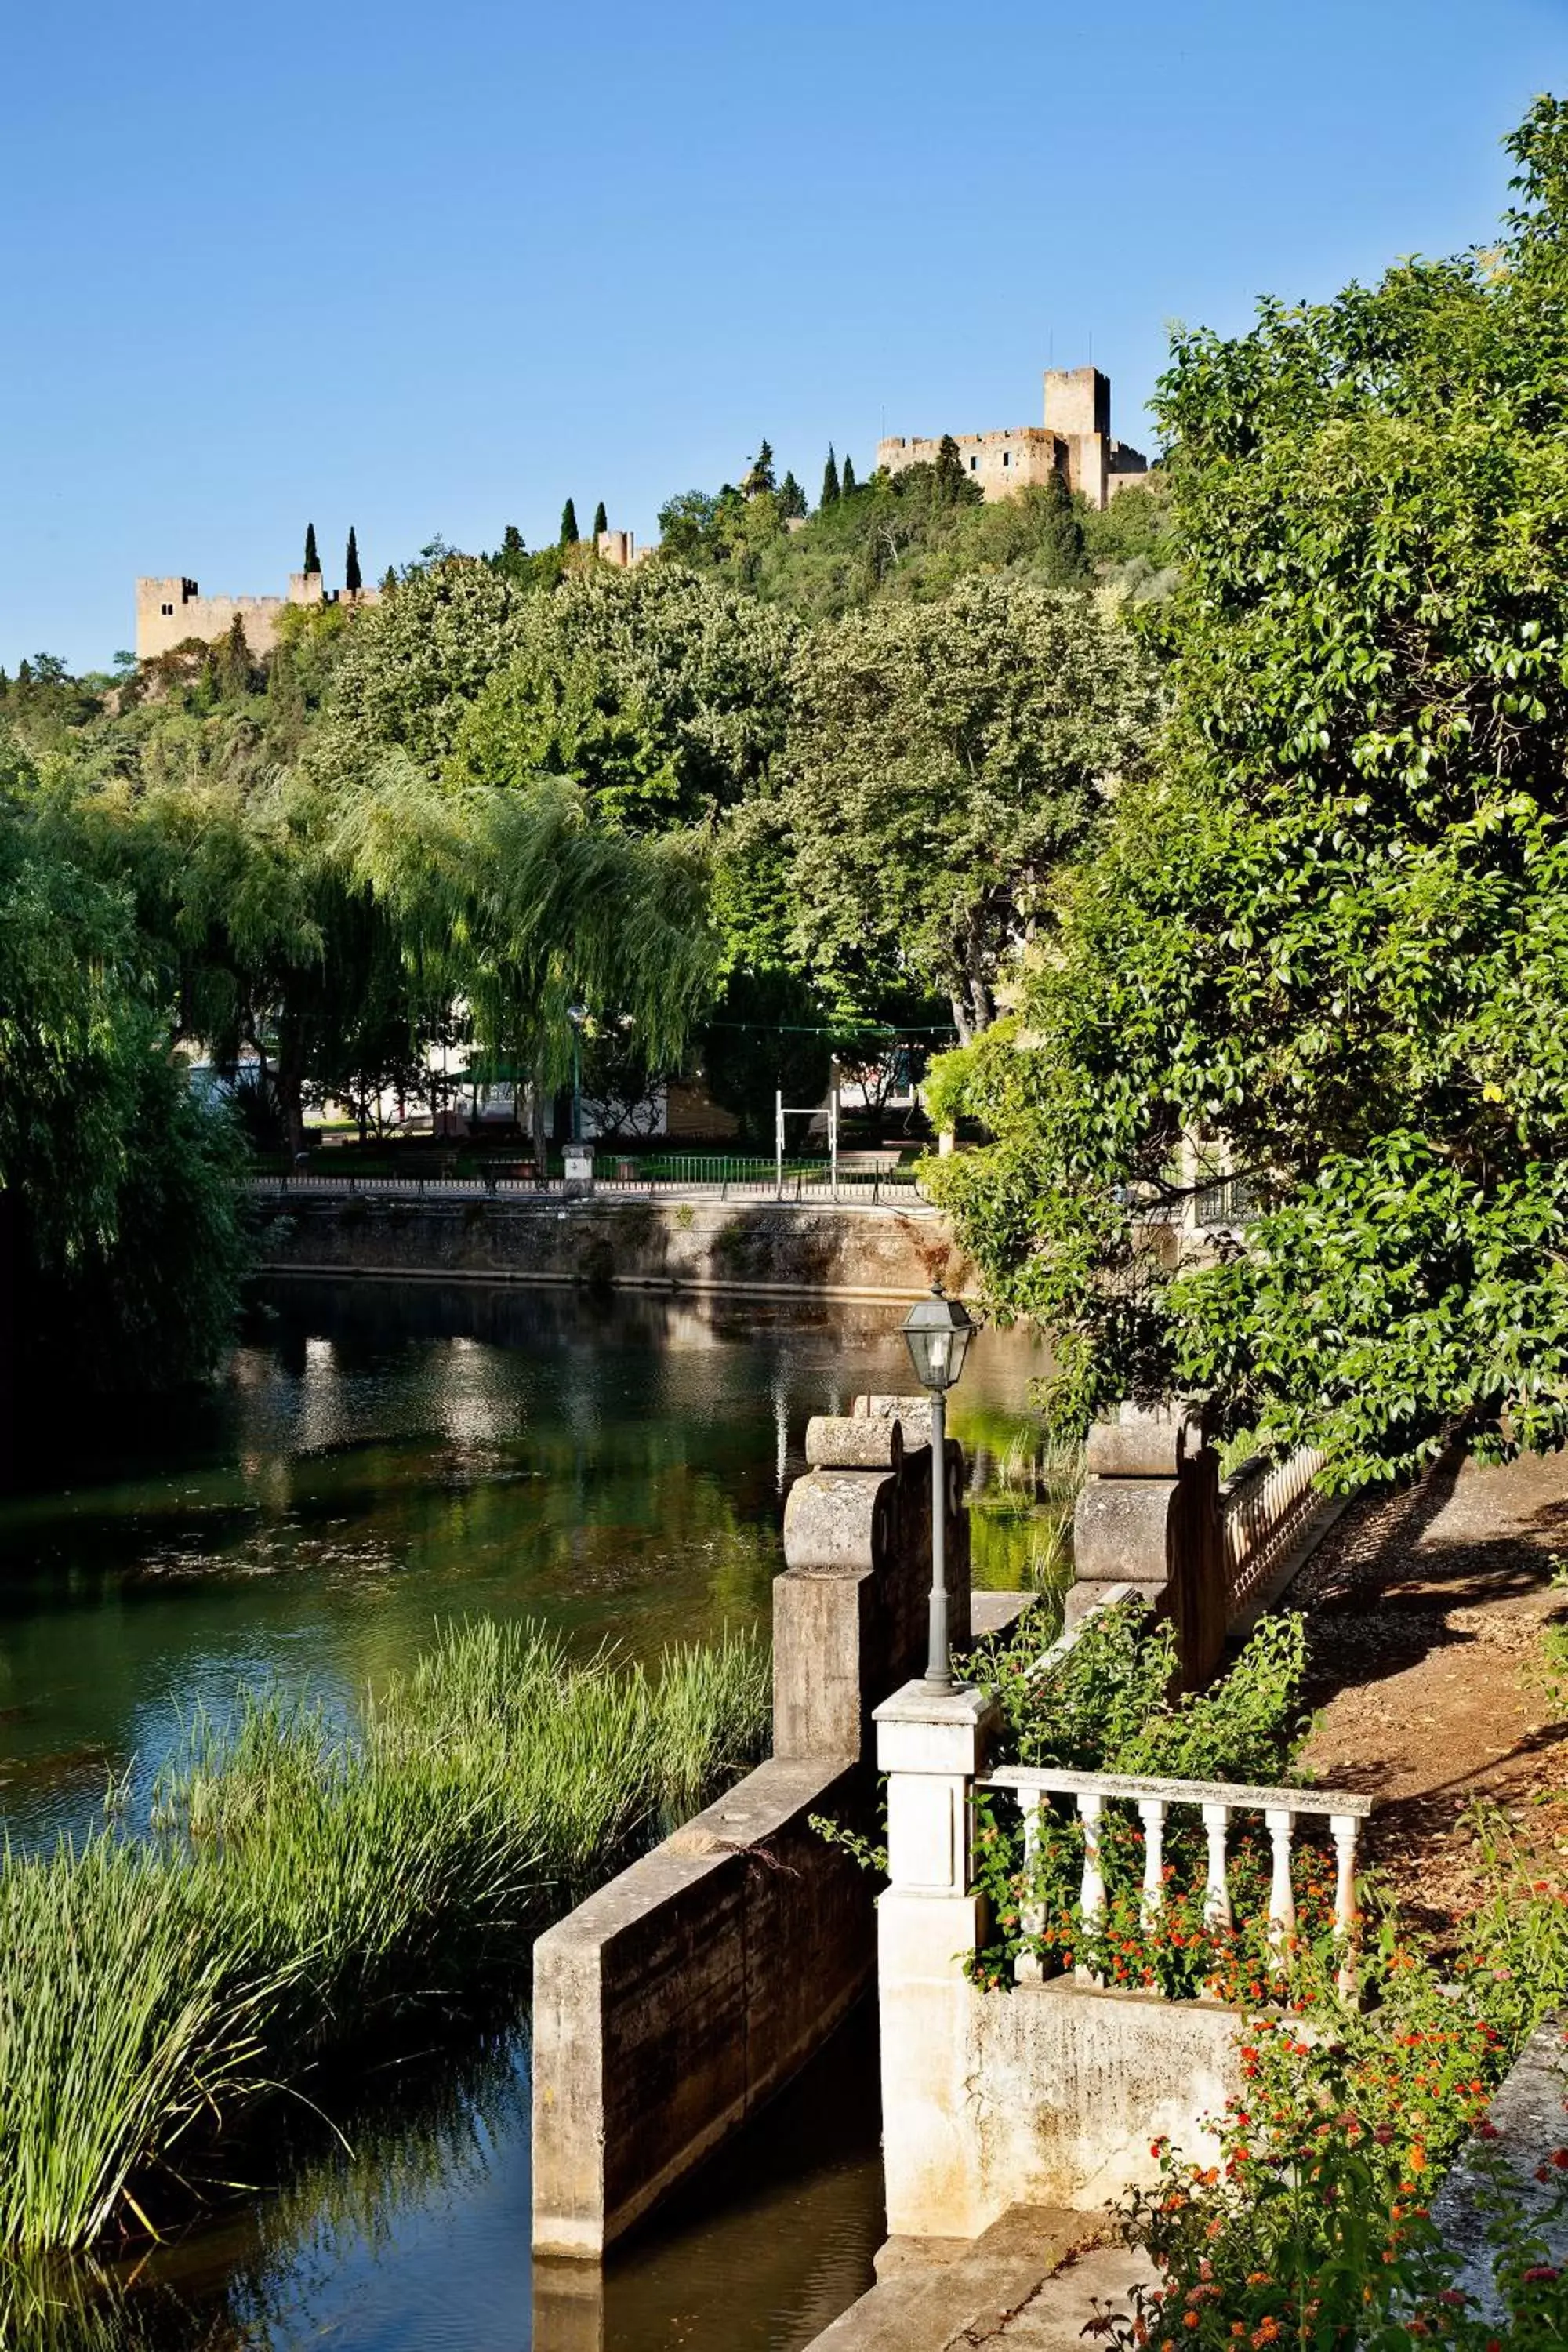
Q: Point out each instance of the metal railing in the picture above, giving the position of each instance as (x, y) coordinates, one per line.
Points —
(1229, 1201)
(801, 1187)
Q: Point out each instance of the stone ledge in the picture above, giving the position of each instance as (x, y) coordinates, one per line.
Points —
(933, 2293)
(1528, 2116)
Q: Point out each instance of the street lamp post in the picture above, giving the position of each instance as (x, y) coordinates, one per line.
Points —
(937, 1331)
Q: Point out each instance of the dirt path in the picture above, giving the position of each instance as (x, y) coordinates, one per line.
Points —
(1426, 1611)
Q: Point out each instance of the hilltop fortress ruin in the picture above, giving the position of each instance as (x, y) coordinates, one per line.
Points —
(169, 612)
(1075, 441)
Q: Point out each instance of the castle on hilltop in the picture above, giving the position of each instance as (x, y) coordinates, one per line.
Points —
(1074, 442)
(170, 611)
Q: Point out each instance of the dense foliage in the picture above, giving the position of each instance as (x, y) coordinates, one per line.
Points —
(119, 1225)
(525, 796)
(1327, 945)
(1313, 2226)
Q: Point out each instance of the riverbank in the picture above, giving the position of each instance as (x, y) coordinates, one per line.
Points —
(751, 1248)
(302, 1888)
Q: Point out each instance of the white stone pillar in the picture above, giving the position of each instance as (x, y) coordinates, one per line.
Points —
(930, 1744)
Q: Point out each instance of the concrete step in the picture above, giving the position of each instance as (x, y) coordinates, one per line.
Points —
(935, 2292)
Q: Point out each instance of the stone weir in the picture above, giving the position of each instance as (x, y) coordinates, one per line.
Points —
(767, 1248)
(672, 2003)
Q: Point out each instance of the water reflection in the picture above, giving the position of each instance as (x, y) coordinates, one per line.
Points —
(382, 1455)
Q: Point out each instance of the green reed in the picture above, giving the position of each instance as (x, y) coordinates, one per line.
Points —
(303, 1884)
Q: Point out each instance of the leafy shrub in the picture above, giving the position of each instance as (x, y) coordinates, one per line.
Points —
(1107, 1704)
(1311, 2225)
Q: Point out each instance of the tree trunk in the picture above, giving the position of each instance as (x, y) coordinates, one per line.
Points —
(541, 1148)
(291, 1103)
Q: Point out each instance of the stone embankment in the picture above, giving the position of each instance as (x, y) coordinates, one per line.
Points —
(767, 1248)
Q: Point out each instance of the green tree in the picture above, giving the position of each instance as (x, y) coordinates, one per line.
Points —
(950, 479)
(760, 475)
(119, 1218)
(525, 906)
(942, 759)
(352, 580)
(601, 519)
(792, 499)
(1329, 948)
(661, 692)
(511, 541)
(830, 479)
(846, 476)
(570, 534)
(313, 561)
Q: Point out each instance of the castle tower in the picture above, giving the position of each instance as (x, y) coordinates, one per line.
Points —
(1078, 408)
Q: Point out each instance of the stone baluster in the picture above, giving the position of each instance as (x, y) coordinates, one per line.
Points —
(1281, 1822)
(1217, 1895)
(1344, 1829)
(1027, 1967)
(1092, 1896)
(1152, 1809)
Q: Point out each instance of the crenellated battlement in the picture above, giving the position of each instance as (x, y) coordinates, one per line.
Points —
(1075, 441)
(170, 612)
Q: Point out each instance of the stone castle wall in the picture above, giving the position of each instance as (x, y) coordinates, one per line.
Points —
(1074, 441)
(169, 612)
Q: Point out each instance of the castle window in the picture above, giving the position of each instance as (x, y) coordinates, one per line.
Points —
(1006, 456)
(974, 465)
(167, 610)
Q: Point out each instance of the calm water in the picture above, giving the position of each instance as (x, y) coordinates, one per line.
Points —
(382, 1456)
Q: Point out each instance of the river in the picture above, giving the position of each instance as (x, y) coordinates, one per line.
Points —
(381, 1456)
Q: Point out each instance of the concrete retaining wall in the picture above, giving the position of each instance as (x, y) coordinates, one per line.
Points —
(764, 1247)
(678, 1998)
(1070, 2084)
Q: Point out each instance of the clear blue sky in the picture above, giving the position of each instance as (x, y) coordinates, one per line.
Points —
(428, 268)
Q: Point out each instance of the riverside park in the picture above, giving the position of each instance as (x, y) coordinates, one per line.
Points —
(783, 1244)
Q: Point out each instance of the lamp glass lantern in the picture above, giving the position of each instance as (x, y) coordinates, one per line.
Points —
(937, 1332)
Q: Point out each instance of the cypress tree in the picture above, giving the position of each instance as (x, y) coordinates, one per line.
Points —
(313, 561)
(568, 532)
(511, 540)
(352, 580)
(1060, 555)
(388, 581)
(601, 520)
(761, 476)
(949, 475)
(830, 479)
(791, 499)
(849, 476)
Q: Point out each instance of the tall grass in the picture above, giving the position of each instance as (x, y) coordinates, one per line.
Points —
(302, 1885)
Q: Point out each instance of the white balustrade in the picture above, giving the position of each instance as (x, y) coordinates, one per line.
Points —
(1217, 1892)
(1282, 1894)
(1153, 1810)
(1216, 1802)
(1261, 1510)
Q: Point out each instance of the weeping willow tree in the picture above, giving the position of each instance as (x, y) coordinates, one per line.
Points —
(516, 901)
